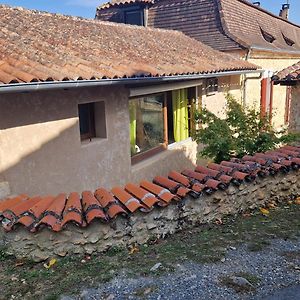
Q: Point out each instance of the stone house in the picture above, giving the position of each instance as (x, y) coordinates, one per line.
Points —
(85, 103)
(290, 77)
(232, 26)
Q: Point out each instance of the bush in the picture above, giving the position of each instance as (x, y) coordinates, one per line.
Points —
(243, 131)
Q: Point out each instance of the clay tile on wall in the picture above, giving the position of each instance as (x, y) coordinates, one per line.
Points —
(179, 178)
(92, 208)
(161, 193)
(207, 171)
(73, 211)
(53, 215)
(144, 196)
(171, 185)
(130, 202)
(110, 204)
(196, 175)
(11, 202)
(14, 212)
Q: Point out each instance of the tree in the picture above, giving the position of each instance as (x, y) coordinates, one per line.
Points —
(243, 131)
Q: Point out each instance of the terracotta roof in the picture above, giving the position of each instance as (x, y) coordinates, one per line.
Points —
(123, 2)
(55, 212)
(291, 73)
(222, 24)
(70, 48)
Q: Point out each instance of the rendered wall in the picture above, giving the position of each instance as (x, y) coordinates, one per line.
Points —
(216, 102)
(275, 63)
(41, 152)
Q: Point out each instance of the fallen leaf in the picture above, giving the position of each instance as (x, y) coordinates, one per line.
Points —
(290, 202)
(50, 264)
(218, 222)
(264, 211)
(19, 263)
(297, 201)
(272, 205)
(134, 250)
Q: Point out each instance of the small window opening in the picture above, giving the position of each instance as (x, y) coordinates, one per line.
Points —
(288, 41)
(92, 122)
(267, 36)
(212, 86)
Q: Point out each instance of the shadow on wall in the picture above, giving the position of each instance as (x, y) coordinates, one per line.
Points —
(62, 164)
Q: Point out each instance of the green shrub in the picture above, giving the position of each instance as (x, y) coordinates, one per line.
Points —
(242, 131)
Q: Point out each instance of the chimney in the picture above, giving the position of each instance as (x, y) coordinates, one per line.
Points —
(284, 12)
(257, 3)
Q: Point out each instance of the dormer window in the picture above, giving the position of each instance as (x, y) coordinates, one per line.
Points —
(287, 40)
(267, 36)
(134, 17)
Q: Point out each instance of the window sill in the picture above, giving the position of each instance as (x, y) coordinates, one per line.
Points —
(93, 141)
(148, 154)
(178, 144)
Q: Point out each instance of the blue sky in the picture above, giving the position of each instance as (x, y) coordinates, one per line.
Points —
(86, 8)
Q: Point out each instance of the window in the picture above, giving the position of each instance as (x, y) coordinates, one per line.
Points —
(288, 41)
(211, 86)
(92, 121)
(160, 119)
(267, 36)
(146, 123)
(134, 17)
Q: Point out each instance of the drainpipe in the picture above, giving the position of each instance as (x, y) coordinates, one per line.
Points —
(248, 78)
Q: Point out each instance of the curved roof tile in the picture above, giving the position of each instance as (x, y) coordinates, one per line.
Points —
(70, 48)
(56, 212)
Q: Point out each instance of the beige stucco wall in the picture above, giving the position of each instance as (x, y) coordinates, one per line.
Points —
(41, 151)
(271, 62)
(216, 102)
(295, 109)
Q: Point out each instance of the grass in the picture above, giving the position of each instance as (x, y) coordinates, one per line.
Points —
(252, 279)
(203, 244)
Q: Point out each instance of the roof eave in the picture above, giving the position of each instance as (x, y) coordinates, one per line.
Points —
(282, 51)
(54, 85)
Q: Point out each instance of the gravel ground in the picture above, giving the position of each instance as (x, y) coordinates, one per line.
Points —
(202, 281)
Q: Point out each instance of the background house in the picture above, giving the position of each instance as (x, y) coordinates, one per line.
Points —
(81, 106)
(233, 26)
(290, 77)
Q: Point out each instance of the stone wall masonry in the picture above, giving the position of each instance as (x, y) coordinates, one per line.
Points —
(139, 227)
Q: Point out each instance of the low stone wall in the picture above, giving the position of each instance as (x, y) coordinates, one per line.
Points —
(140, 227)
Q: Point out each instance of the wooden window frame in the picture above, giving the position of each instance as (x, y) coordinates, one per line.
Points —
(91, 118)
(164, 146)
(149, 153)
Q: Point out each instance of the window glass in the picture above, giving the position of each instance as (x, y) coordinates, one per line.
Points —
(86, 120)
(146, 123)
(134, 17)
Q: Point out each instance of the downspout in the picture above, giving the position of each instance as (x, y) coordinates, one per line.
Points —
(248, 78)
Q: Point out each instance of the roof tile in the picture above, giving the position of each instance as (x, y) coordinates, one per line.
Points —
(77, 49)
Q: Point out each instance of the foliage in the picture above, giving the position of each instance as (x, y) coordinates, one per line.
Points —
(242, 131)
